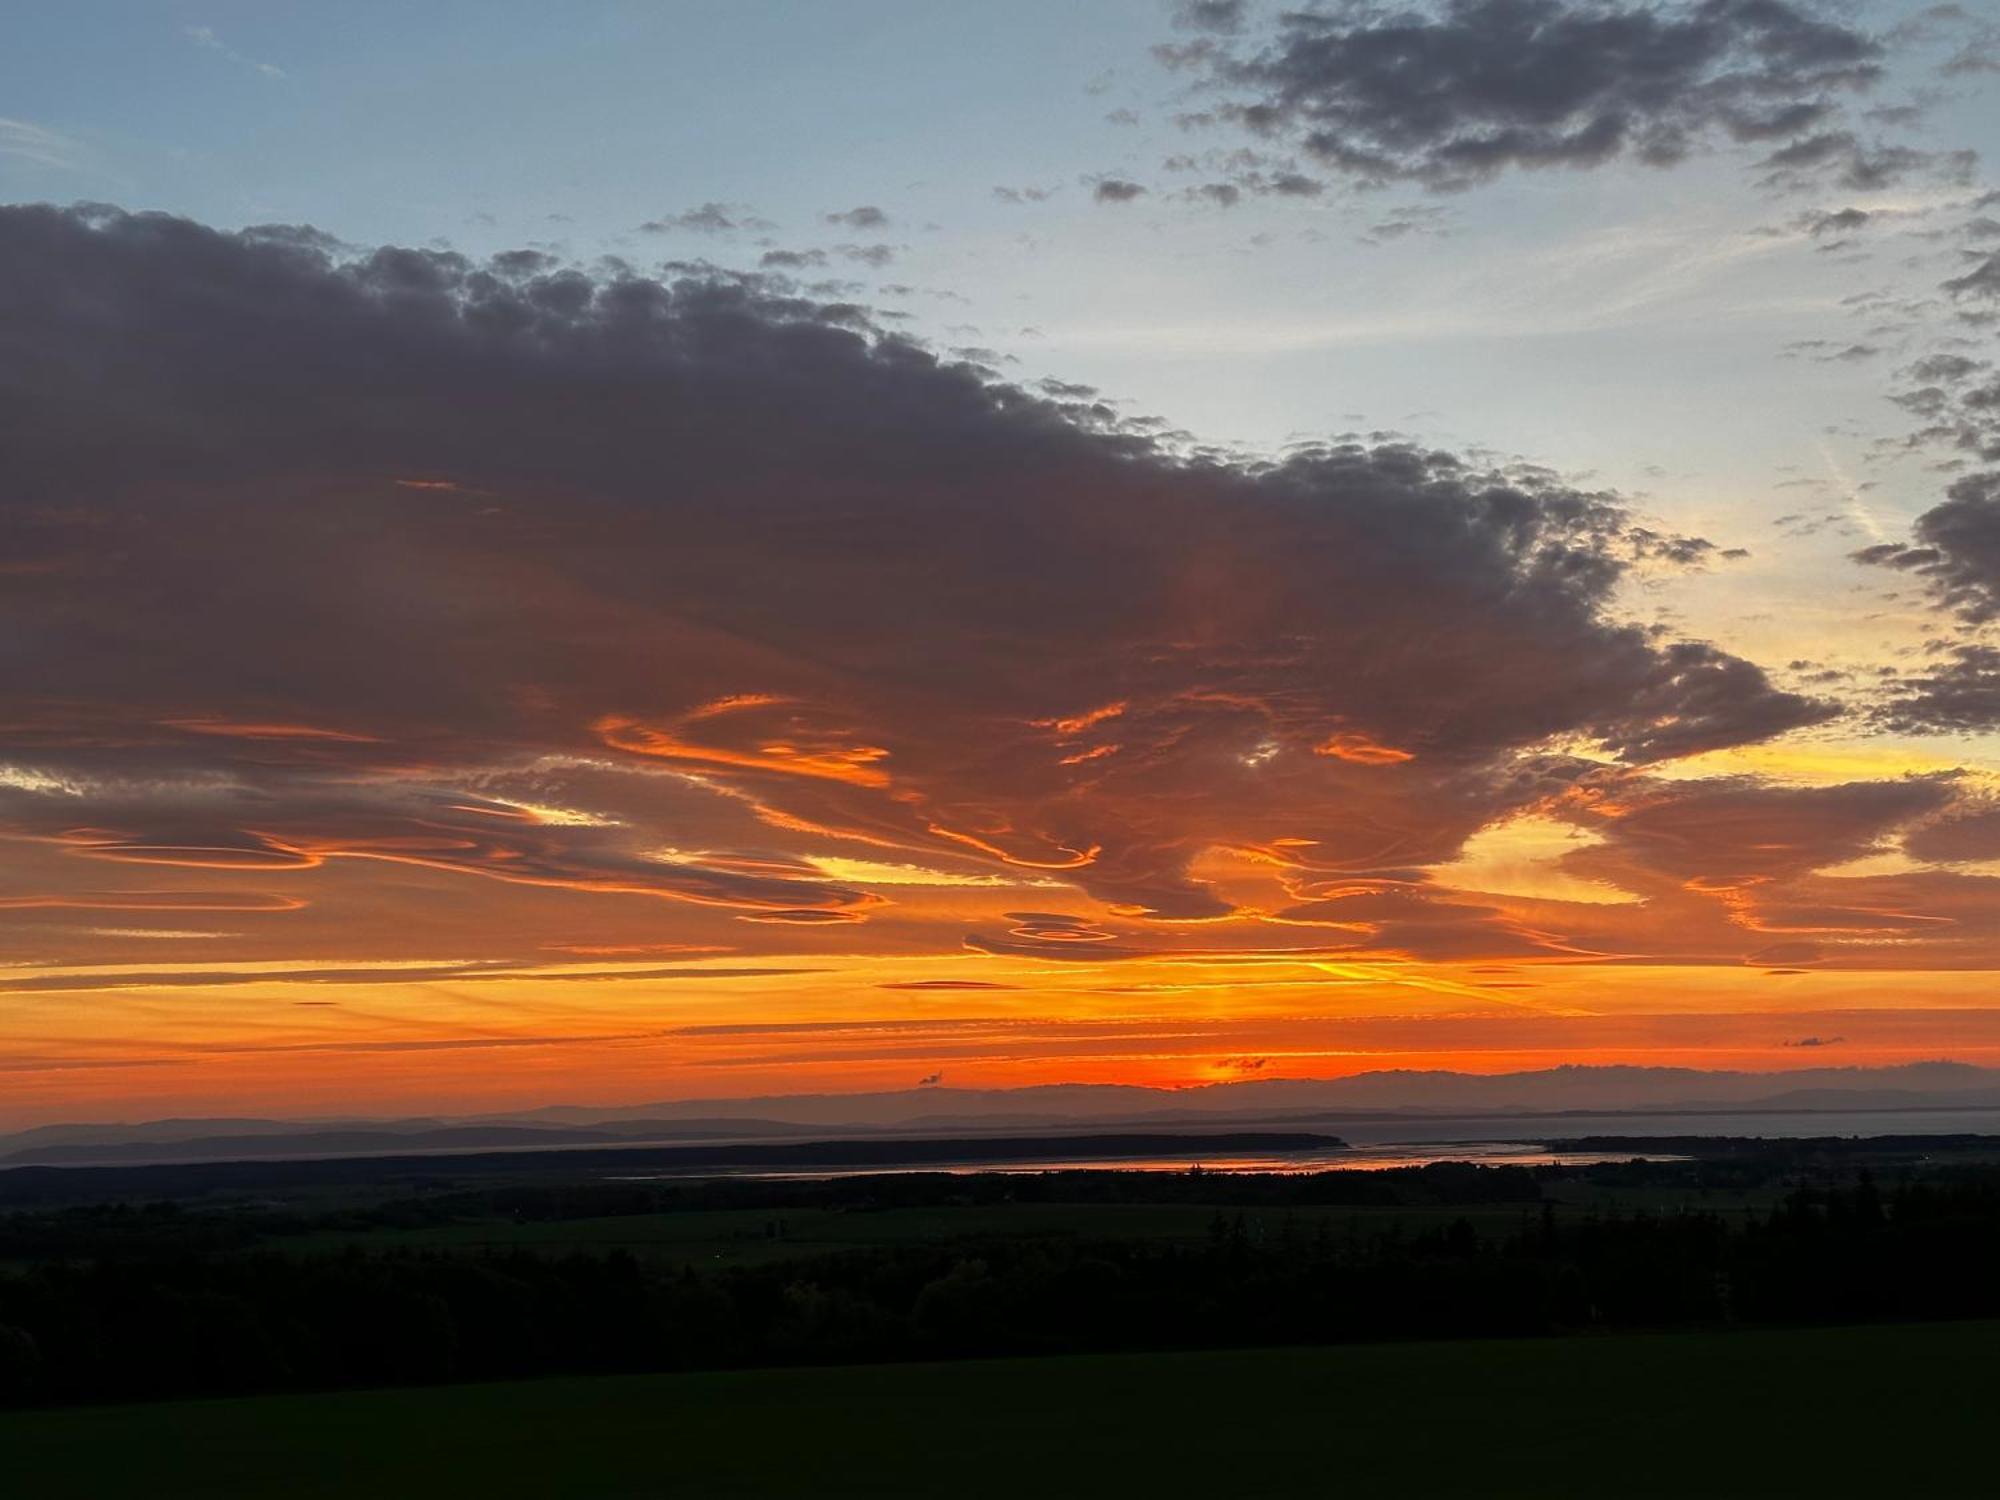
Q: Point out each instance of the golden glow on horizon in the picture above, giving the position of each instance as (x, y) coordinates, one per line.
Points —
(620, 1034)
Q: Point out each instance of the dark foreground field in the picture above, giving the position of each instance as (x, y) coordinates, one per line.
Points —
(1889, 1410)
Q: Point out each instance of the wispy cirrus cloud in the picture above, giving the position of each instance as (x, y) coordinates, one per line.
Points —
(205, 37)
(39, 146)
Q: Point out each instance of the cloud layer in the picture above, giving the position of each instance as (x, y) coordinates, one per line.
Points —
(397, 624)
(305, 544)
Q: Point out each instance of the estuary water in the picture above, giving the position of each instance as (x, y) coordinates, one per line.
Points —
(1376, 1143)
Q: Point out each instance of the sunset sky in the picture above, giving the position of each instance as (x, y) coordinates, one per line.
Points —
(600, 553)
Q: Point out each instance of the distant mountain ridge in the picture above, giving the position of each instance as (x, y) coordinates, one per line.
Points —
(1571, 1086)
(1415, 1094)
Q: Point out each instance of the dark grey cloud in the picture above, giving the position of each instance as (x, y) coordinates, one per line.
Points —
(867, 216)
(1957, 549)
(1408, 221)
(1970, 835)
(1290, 185)
(1254, 172)
(1976, 39)
(1115, 190)
(1959, 693)
(1842, 158)
(708, 218)
(1449, 93)
(1945, 369)
(1737, 834)
(1981, 281)
(866, 255)
(322, 560)
(1837, 221)
(1222, 16)
(1954, 547)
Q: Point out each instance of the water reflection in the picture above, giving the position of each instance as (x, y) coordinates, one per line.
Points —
(1373, 1158)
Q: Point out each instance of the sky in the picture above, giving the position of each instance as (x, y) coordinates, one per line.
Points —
(603, 553)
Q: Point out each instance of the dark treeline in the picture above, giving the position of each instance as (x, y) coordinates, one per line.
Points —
(29, 1186)
(127, 1231)
(173, 1324)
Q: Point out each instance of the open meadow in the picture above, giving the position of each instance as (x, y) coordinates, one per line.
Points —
(1890, 1410)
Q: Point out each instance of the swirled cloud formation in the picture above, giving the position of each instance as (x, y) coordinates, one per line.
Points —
(453, 620)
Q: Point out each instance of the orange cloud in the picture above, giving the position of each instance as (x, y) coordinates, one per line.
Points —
(252, 730)
(259, 855)
(1351, 745)
(1072, 859)
(829, 761)
(234, 901)
(1077, 723)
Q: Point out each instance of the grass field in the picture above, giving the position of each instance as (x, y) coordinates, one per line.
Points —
(1902, 1410)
